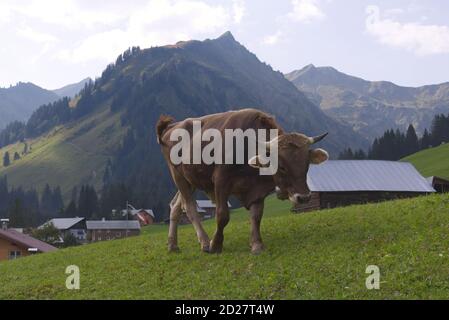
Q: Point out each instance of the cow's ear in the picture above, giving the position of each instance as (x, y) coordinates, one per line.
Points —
(255, 163)
(318, 156)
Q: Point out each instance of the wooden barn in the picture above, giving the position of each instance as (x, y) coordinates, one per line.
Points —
(111, 230)
(441, 185)
(341, 183)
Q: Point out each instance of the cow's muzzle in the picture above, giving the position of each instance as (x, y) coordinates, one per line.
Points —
(300, 198)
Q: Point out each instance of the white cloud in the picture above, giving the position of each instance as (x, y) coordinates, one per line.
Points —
(36, 36)
(272, 39)
(415, 37)
(101, 46)
(158, 22)
(239, 9)
(65, 13)
(306, 11)
(5, 13)
(102, 31)
(187, 15)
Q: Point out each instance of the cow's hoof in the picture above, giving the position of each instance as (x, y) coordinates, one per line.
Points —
(205, 248)
(173, 249)
(257, 248)
(215, 248)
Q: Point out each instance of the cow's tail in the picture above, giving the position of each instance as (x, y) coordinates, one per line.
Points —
(162, 125)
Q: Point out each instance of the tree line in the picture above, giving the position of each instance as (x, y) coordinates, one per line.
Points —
(28, 209)
(25, 208)
(394, 145)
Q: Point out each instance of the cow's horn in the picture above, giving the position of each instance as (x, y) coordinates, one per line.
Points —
(270, 143)
(317, 139)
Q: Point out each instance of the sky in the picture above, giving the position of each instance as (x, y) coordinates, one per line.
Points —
(53, 43)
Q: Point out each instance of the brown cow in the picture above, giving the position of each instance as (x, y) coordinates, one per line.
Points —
(220, 181)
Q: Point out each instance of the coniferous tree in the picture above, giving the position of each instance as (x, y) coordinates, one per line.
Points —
(426, 140)
(74, 196)
(4, 195)
(87, 202)
(411, 141)
(346, 154)
(47, 202)
(25, 149)
(440, 130)
(17, 218)
(71, 211)
(6, 160)
(16, 156)
(107, 173)
(360, 155)
(57, 202)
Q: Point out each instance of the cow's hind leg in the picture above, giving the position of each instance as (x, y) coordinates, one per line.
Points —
(189, 204)
(195, 218)
(175, 216)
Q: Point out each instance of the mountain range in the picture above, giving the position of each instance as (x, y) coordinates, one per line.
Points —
(18, 102)
(107, 134)
(370, 107)
(71, 90)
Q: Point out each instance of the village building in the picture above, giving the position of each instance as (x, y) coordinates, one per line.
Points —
(111, 230)
(341, 183)
(74, 226)
(207, 209)
(441, 185)
(14, 244)
(145, 217)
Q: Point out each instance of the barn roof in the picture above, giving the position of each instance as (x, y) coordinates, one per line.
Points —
(26, 241)
(113, 225)
(137, 211)
(369, 175)
(63, 223)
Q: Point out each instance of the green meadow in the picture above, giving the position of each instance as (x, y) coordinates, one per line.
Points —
(318, 255)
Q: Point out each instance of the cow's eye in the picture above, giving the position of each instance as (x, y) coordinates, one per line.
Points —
(282, 170)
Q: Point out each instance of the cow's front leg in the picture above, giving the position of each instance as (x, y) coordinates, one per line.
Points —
(216, 245)
(256, 211)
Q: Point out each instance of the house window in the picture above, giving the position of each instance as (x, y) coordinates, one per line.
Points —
(14, 255)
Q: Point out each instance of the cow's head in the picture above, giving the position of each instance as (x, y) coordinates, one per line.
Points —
(295, 156)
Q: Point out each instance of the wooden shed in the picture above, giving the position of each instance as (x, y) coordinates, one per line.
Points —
(14, 244)
(441, 185)
(111, 230)
(341, 183)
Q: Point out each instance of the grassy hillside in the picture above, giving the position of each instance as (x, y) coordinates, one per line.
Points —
(432, 162)
(312, 256)
(67, 156)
